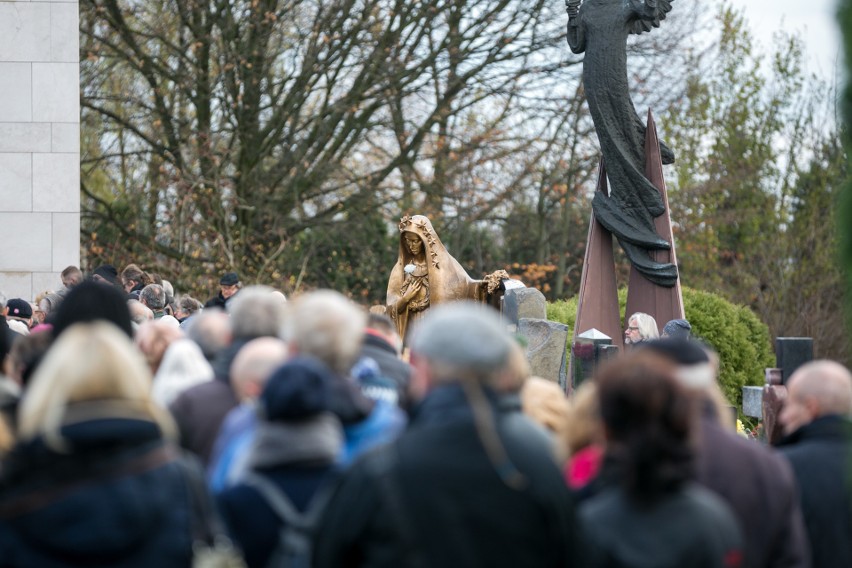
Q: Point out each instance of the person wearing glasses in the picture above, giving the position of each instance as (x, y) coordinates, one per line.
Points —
(640, 327)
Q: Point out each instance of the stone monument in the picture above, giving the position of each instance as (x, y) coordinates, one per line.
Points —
(39, 144)
(630, 202)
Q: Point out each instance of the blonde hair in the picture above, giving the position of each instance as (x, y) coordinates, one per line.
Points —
(584, 422)
(94, 367)
(546, 403)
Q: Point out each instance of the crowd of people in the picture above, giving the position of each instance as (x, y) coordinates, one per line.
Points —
(140, 427)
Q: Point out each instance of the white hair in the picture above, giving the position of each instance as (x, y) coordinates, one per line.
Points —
(647, 325)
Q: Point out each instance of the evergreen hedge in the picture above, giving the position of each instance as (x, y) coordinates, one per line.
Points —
(738, 336)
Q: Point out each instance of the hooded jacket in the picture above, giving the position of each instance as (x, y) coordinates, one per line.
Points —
(118, 499)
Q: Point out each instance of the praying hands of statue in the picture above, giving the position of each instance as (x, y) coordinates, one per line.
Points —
(412, 291)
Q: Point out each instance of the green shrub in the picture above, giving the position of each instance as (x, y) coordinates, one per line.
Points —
(738, 336)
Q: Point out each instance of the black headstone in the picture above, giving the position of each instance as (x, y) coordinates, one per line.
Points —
(791, 353)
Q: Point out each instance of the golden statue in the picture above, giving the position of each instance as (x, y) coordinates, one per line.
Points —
(425, 275)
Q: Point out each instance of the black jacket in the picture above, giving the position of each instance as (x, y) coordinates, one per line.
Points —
(689, 528)
(388, 360)
(116, 499)
(435, 497)
(389, 364)
(200, 410)
(760, 489)
(820, 453)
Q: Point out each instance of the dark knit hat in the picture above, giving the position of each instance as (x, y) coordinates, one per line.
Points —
(19, 308)
(677, 328)
(108, 272)
(93, 301)
(298, 390)
(229, 279)
(678, 350)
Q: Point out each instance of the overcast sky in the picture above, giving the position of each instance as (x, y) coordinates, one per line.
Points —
(815, 19)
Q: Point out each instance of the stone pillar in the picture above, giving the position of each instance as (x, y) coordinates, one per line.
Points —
(39, 144)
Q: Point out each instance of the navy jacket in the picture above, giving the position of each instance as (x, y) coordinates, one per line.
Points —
(117, 499)
(820, 453)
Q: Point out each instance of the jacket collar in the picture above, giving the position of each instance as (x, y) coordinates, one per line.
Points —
(833, 428)
(449, 402)
(373, 340)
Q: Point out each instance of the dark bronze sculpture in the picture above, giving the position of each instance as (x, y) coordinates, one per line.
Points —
(600, 29)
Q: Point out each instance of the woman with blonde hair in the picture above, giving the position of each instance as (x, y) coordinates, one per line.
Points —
(94, 479)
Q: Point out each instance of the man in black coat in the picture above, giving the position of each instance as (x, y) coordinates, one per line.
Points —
(753, 480)
(466, 484)
(229, 285)
(816, 423)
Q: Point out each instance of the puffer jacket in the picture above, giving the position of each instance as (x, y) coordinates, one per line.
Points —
(118, 498)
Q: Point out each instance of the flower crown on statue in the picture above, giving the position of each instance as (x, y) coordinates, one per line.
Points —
(407, 223)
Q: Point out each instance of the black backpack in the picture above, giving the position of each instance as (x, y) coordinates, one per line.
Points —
(296, 535)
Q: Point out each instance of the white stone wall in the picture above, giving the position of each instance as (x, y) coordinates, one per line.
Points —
(39, 145)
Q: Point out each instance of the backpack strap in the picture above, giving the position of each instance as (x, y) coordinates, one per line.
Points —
(283, 507)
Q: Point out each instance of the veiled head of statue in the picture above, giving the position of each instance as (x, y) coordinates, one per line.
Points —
(413, 243)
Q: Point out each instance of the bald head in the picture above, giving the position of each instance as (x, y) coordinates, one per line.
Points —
(818, 388)
(254, 364)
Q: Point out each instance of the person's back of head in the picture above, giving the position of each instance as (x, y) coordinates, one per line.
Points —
(71, 276)
(25, 356)
(211, 330)
(92, 364)
(677, 329)
(584, 423)
(139, 312)
(815, 390)
(648, 418)
(153, 296)
(90, 301)
(181, 366)
(254, 364)
(461, 341)
(300, 395)
(153, 338)
(106, 274)
(255, 312)
(545, 402)
(327, 326)
(187, 307)
(696, 367)
(133, 276)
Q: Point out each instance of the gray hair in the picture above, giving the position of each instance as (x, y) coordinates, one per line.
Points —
(462, 340)
(326, 325)
(255, 312)
(211, 330)
(153, 296)
(3, 300)
(139, 312)
(647, 325)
